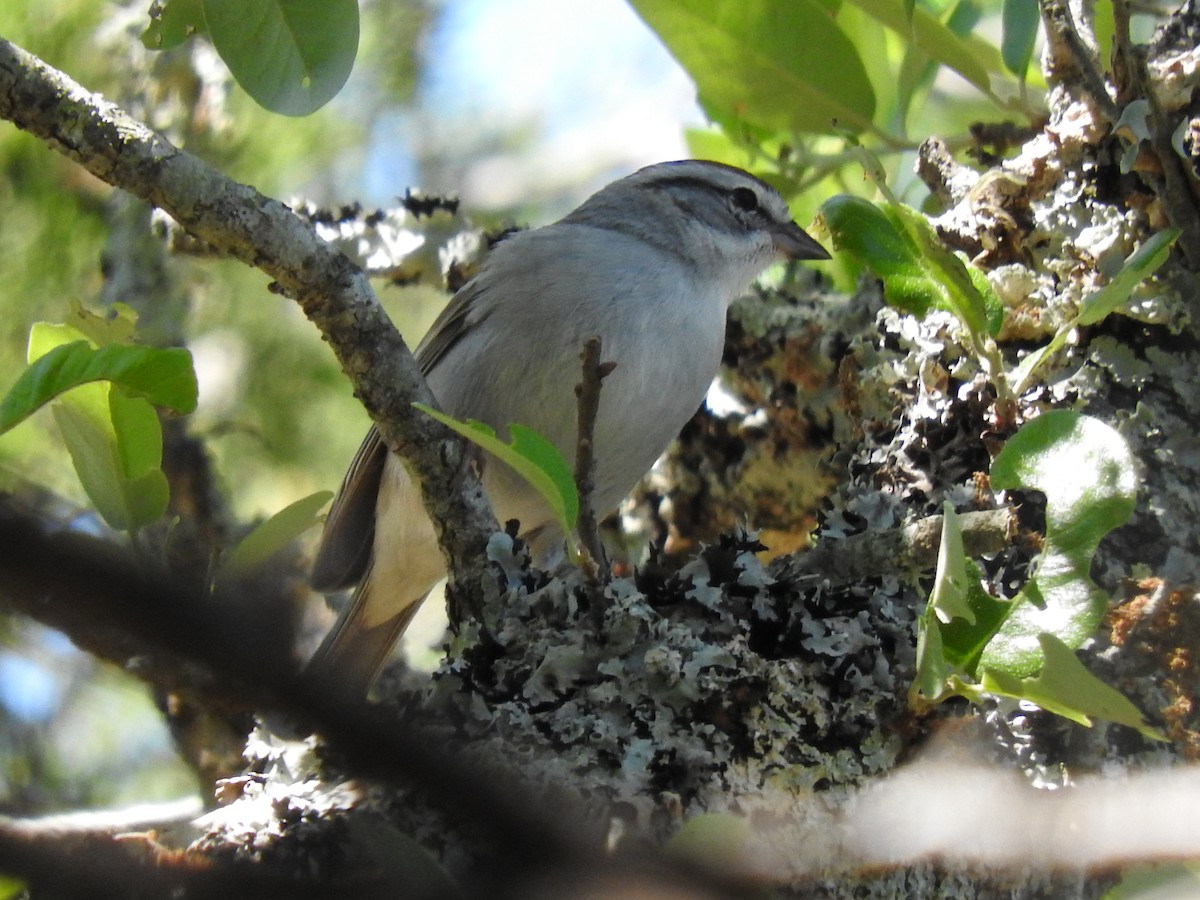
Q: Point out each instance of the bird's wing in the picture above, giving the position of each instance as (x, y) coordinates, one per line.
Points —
(463, 313)
(350, 527)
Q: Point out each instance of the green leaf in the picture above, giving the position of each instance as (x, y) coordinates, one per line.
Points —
(968, 296)
(533, 457)
(1087, 473)
(928, 33)
(860, 228)
(1140, 265)
(118, 327)
(11, 888)
(900, 246)
(1104, 26)
(962, 640)
(1066, 688)
(171, 23)
(101, 403)
(164, 377)
(273, 534)
(291, 56)
(1023, 373)
(782, 66)
(126, 502)
(1020, 22)
(933, 668)
(949, 597)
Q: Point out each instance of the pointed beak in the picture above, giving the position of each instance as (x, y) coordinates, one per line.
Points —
(793, 242)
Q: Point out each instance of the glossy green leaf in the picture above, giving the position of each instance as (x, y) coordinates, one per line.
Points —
(1019, 23)
(962, 640)
(164, 377)
(899, 245)
(291, 56)
(928, 33)
(532, 456)
(1065, 687)
(1086, 471)
(273, 534)
(860, 228)
(962, 290)
(781, 66)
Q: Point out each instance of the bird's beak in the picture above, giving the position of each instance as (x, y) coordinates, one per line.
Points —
(793, 242)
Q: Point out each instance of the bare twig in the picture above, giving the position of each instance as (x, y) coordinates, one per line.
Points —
(332, 291)
(587, 393)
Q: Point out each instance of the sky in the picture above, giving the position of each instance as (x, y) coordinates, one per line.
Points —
(586, 81)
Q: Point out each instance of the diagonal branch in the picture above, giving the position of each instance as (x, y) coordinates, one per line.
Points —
(262, 232)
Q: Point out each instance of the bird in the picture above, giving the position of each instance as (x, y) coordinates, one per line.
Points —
(650, 264)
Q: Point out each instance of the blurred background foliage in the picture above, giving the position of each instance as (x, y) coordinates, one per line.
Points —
(521, 108)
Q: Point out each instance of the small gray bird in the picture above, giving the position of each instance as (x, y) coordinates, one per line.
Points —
(650, 264)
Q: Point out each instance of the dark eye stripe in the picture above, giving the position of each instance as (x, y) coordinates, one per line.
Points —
(723, 193)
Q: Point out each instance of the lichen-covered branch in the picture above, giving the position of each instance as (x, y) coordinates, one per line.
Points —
(912, 548)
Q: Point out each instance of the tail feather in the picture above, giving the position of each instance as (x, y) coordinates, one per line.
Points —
(352, 653)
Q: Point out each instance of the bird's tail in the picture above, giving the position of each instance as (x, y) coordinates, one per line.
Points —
(351, 655)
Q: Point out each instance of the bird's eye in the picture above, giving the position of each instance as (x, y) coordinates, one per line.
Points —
(744, 199)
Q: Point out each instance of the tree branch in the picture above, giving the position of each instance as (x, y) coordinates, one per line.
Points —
(333, 292)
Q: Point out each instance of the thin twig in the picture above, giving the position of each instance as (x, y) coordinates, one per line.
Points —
(587, 393)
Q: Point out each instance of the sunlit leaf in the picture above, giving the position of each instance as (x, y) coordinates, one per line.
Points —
(949, 596)
(962, 640)
(291, 56)
(928, 33)
(164, 377)
(860, 228)
(918, 272)
(1086, 471)
(533, 457)
(1065, 687)
(784, 66)
(95, 447)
